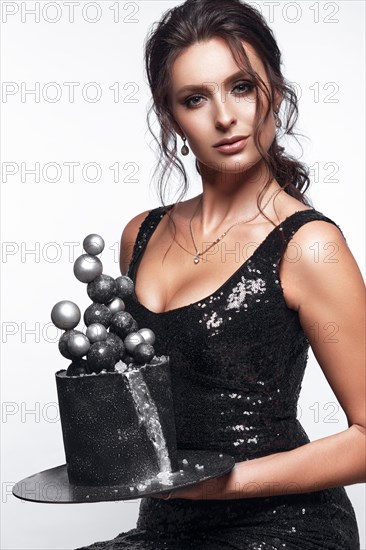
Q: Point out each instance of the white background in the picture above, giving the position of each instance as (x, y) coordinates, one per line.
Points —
(323, 49)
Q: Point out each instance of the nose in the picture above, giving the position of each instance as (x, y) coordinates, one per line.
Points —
(224, 114)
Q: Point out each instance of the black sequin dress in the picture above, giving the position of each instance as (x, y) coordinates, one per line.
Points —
(238, 358)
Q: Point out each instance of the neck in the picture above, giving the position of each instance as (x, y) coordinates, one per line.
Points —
(230, 198)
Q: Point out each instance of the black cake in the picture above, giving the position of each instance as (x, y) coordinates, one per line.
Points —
(106, 442)
(117, 425)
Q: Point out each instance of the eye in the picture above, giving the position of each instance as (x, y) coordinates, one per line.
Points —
(248, 85)
(188, 103)
(244, 84)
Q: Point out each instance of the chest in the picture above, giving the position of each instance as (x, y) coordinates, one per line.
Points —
(166, 277)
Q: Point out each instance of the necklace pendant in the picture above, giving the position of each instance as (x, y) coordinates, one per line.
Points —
(196, 259)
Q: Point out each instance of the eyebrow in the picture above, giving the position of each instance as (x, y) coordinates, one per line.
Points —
(196, 87)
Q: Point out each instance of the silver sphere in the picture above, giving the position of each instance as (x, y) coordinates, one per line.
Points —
(96, 332)
(132, 340)
(93, 244)
(87, 267)
(78, 345)
(147, 335)
(116, 305)
(65, 315)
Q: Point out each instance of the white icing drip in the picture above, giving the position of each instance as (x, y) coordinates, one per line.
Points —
(147, 414)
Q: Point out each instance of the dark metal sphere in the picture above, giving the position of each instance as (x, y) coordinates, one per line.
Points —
(102, 289)
(97, 313)
(123, 323)
(77, 367)
(63, 343)
(125, 286)
(101, 356)
(93, 244)
(65, 315)
(117, 344)
(87, 267)
(143, 353)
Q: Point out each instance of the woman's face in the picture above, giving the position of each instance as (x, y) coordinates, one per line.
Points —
(220, 104)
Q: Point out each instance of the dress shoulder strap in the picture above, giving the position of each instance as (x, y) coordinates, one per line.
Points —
(145, 231)
(288, 228)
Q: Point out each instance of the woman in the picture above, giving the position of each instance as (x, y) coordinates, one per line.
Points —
(229, 283)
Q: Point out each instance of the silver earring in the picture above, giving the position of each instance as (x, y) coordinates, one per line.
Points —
(278, 122)
(184, 150)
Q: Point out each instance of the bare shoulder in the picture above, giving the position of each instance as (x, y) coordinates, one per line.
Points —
(128, 239)
(318, 264)
(317, 239)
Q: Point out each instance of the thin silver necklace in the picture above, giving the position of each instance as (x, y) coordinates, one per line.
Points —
(196, 256)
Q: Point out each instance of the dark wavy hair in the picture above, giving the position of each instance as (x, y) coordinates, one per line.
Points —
(234, 21)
